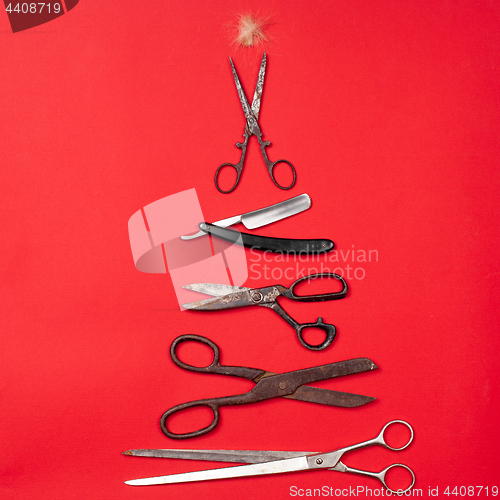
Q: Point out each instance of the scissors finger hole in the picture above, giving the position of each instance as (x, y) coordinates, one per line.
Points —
(283, 174)
(314, 337)
(397, 435)
(190, 420)
(317, 285)
(226, 177)
(200, 355)
(398, 478)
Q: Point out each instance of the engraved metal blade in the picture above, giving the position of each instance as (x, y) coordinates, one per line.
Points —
(230, 301)
(259, 87)
(243, 98)
(215, 289)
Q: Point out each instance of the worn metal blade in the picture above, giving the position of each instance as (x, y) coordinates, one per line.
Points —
(243, 98)
(230, 301)
(263, 216)
(259, 87)
(236, 456)
(215, 289)
(315, 374)
(259, 469)
(328, 397)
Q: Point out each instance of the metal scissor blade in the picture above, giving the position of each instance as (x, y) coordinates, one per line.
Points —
(236, 456)
(230, 301)
(215, 289)
(243, 98)
(328, 397)
(259, 87)
(259, 469)
(332, 370)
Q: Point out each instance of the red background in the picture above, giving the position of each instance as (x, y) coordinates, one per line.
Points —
(389, 112)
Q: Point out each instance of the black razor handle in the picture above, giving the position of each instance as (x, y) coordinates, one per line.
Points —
(267, 244)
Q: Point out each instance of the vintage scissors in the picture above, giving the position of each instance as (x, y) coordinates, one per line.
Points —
(228, 297)
(252, 128)
(271, 462)
(268, 385)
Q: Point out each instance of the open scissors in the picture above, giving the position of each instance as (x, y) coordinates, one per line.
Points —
(228, 297)
(271, 462)
(268, 385)
(252, 128)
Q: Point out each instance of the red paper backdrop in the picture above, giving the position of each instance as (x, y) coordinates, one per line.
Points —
(389, 112)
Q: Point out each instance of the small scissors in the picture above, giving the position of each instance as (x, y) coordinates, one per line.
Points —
(270, 462)
(268, 385)
(228, 297)
(252, 128)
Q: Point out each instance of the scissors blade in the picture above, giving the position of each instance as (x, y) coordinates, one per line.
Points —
(328, 397)
(332, 370)
(259, 469)
(243, 98)
(237, 456)
(215, 289)
(230, 301)
(259, 87)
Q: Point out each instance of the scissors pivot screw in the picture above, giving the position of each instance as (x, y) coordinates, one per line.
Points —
(282, 385)
(257, 297)
(319, 461)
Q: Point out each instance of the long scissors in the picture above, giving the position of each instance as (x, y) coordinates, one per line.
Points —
(252, 128)
(268, 385)
(271, 462)
(228, 297)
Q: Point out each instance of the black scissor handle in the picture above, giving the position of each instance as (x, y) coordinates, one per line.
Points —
(213, 403)
(203, 402)
(290, 294)
(214, 366)
(238, 167)
(270, 167)
(211, 368)
(330, 331)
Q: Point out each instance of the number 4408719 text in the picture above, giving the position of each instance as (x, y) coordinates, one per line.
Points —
(471, 491)
(34, 8)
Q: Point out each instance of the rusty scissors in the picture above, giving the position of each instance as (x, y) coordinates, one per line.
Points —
(268, 385)
(252, 128)
(228, 297)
